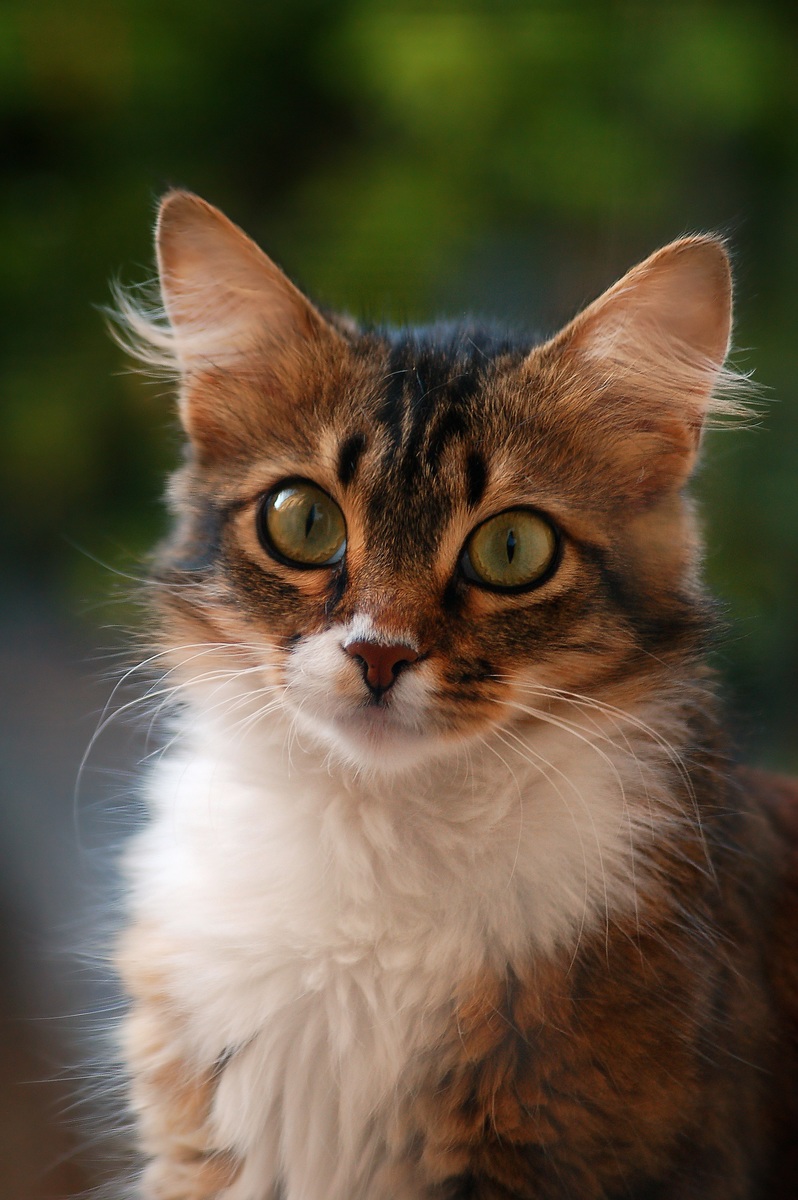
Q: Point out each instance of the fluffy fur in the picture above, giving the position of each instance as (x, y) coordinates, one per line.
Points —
(514, 928)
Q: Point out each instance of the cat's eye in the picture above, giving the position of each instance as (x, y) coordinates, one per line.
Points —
(510, 551)
(301, 525)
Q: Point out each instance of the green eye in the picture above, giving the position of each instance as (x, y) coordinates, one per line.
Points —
(301, 525)
(512, 550)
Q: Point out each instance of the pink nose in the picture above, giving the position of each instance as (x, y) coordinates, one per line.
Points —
(381, 664)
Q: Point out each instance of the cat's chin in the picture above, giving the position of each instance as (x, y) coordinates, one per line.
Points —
(372, 739)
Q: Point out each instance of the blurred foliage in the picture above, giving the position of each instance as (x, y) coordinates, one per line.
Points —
(400, 160)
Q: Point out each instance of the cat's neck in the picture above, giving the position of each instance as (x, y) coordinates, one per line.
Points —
(551, 817)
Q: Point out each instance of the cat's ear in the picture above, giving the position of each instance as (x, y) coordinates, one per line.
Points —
(222, 294)
(651, 352)
(230, 309)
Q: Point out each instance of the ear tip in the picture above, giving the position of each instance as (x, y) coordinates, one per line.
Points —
(712, 247)
(706, 254)
(185, 224)
(179, 205)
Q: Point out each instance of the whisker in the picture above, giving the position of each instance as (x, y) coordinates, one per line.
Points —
(165, 696)
(544, 766)
(676, 760)
(577, 731)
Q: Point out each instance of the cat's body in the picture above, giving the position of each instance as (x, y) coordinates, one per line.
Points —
(449, 889)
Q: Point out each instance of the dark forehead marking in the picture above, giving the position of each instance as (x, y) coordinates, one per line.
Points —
(450, 422)
(349, 456)
(423, 360)
(430, 381)
(476, 478)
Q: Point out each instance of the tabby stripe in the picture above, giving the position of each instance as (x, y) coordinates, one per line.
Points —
(349, 456)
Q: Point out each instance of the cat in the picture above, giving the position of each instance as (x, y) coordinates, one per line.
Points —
(450, 886)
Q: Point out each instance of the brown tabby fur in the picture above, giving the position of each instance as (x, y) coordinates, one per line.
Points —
(656, 1059)
(640, 1058)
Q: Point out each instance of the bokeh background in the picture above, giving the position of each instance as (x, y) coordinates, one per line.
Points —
(403, 161)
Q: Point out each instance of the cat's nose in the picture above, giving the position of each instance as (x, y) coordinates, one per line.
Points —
(381, 664)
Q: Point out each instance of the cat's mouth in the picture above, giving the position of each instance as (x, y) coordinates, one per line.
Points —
(378, 733)
(378, 717)
(380, 703)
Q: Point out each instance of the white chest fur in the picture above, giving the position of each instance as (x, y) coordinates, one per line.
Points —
(320, 924)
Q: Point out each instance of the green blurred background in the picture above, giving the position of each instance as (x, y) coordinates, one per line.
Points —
(402, 161)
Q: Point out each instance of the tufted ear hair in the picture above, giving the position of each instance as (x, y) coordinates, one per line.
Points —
(239, 331)
(648, 359)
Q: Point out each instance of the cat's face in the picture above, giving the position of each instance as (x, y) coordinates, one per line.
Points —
(413, 539)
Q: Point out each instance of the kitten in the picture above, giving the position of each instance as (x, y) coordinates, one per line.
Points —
(450, 888)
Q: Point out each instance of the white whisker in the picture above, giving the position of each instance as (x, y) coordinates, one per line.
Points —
(652, 735)
(544, 766)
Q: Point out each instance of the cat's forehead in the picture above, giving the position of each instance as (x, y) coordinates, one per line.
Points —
(432, 395)
(433, 406)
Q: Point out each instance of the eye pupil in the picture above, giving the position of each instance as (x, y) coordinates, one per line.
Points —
(312, 518)
(511, 544)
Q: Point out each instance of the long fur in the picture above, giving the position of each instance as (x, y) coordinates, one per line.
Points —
(504, 929)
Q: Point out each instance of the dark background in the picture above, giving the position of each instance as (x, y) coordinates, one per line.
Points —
(401, 161)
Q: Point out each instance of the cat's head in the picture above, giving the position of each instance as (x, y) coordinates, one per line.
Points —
(407, 538)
